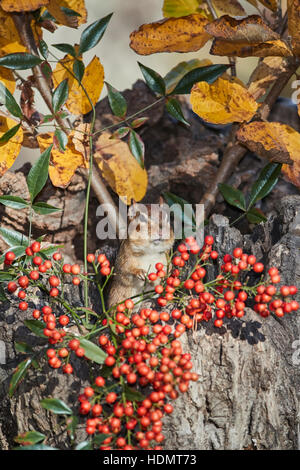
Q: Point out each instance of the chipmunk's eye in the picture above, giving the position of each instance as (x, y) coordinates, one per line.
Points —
(138, 228)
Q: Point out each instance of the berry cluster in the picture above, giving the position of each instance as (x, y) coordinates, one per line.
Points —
(144, 366)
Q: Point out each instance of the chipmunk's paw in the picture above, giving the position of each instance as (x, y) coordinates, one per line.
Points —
(141, 274)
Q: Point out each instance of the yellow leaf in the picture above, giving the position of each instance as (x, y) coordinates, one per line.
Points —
(93, 79)
(230, 7)
(120, 169)
(177, 8)
(272, 140)
(63, 164)
(270, 69)
(11, 149)
(223, 102)
(244, 49)
(184, 34)
(54, 8)
(22, 5)
(9, 38)
(7, 78)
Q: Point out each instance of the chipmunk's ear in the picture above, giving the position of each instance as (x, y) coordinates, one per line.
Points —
(132, 210)
(161, 200)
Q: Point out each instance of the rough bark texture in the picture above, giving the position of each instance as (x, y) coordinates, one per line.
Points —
(248, 396)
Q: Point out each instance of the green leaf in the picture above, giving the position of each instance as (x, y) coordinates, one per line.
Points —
(5, 276)
(36, 326)
(30, 438)
(70, 12)
(46, 70)
(20, 61)
(7, 99)
(67, 48)
(255, 216)
(78, 70)
(92, 34)
(233, 196)
(43, 48)
(99, 438)
(60, 95)
(46, 252)
(18, 375)
(91, 351)
(116, 100)
(154, 81)
(133, 394)
(57, 406)
(3, 297)
(9, 134)
(38, 174)
(44, 209)
(173, 107)
(120, 133)
(137, 147)
(62, 139)
(84, 445)
(14, 202)
(71, 426)
(265, 183)
(23, 347)
(179, 71)
(139, 122)
(13, 238)
(202, 74)
(35, 447)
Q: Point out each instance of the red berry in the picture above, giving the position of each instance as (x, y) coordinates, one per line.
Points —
(23, 281)
(54, 281)
(57, 256)
(23, 305)
(10, 256)
(258, 267)
(67, 268)
(35, 247)
(90, 258)
(37, 260)
(12, 286)
(29, 251)
(209, 240)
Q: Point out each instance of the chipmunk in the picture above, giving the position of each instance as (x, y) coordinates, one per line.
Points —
(150, 238)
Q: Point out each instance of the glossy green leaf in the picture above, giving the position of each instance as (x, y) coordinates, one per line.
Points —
(120, 133)
(202, 74)
(99, 438)
(14, 202)
(55, 405)
(9, 134)
(179, 71)
(182, 210)
(91, 351)
(18, 251)
(13, 238)
(116, 100)
(66, 48)
(255, 216)
(60, 95)
(43, 48)
(36, 326)
(78, 69)
(265, 183)
(18, 375)
(154, 81)
(46, 252)
(84, 445)
(20, 61)
(43, 208)
(233, 196)
(7, 99)
(30, 438)
(92, 34)
(38, 174)
(70, 12)
(173, 107)
(132, 394)
(62, 139)
(23, 347)
(72, 423)
(139, 122)
(137, 147)
(6, 276)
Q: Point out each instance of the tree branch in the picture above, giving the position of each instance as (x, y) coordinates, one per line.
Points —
(22, 23)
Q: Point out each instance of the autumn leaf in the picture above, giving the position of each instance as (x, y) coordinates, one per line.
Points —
(184, 34)
(177, 8)
(9, 37)
(56, 8)
(251, 29)
(293, 9)
(63, 164)
(180, 70)
(120, 169)
(223, 102)
(243, 49)
(93, 80)
(11, 149)
(80, 138)
(230, 7)
(270, 69)
(272, 140)
(271, 4)
(7, 78)
(22, 5)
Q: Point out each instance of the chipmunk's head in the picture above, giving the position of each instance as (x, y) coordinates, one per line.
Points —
(149, 227)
